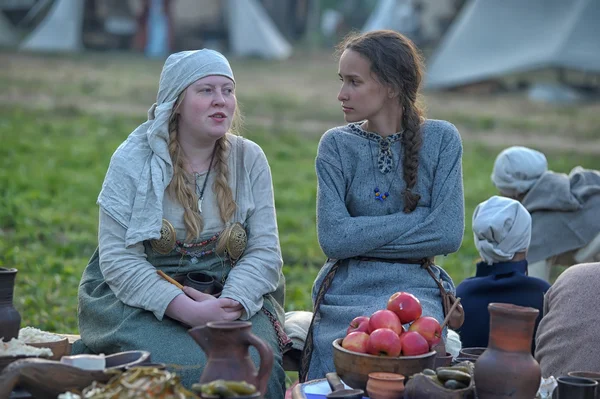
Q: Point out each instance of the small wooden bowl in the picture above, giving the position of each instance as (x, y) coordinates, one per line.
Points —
(354, 368)
(59, 348)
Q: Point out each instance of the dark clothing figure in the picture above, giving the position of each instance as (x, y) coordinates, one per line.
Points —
(505, 282)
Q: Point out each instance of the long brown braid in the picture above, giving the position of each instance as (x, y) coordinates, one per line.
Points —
(182, 191)
(398, 64)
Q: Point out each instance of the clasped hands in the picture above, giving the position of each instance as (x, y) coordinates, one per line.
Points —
(196, 308)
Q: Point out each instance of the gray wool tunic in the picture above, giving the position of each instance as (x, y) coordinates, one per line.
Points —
(564, 212)
(351, 163)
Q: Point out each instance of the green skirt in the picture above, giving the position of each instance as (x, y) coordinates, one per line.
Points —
(107, 325)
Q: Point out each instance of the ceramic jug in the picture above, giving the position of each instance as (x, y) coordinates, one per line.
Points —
(10, 319)
(506, 369)
(226, 345)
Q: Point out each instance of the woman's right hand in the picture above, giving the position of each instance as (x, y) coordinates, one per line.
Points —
(196, 308)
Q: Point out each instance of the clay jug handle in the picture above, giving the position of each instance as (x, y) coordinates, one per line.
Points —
(266, 361)
(199, 335)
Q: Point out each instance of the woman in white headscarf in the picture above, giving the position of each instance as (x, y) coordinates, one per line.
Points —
(564, 208)
(502, 232)
(184, 194)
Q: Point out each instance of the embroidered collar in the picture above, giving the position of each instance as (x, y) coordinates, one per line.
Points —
(484, 270)
(385, 159)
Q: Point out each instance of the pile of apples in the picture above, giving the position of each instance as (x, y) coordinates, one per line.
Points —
(383, 334)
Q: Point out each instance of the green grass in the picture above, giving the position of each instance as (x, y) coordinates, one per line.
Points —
(52, 167)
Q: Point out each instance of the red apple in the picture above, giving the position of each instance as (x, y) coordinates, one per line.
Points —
(356, 341)
(429, 328)
(360, 323)
(385, 342)
(406, 306)
(385, 319)
(413, 344)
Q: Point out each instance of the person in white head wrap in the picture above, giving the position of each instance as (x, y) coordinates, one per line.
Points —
(184, 194)
(517, 169)
(563, 208)
(501, 229)
(502, 232)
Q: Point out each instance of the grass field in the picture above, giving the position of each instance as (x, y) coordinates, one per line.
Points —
(61, 118)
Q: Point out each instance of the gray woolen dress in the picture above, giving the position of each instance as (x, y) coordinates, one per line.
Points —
(351, 166)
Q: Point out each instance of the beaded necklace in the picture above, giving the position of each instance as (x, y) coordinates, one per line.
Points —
(195, 250)
(379, 196)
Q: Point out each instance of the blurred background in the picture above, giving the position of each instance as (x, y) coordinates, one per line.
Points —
(77, 76)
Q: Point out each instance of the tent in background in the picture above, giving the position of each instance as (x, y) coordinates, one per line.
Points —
(250, 29)
(253, 33)
(61, 29)
(491, 38)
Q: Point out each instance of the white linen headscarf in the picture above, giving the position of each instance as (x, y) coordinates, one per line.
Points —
(501, 228)
(516, 170)
(141, 169)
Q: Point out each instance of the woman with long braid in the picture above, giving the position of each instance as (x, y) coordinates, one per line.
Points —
(390, 194)
(185, 194)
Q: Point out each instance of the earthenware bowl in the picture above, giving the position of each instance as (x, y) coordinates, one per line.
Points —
(385, 385)
(354, 368)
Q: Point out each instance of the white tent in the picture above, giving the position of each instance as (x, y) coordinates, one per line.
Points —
(61, 29)
(491, 38)
(398, 15)
(253, 33)
(251, 30)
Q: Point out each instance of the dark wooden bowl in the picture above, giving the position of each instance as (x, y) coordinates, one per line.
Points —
(354, 368)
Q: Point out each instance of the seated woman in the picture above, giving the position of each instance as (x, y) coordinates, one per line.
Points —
(389, 196)
(563, 208)
(502, 231)
(184, 194)
(568, 333)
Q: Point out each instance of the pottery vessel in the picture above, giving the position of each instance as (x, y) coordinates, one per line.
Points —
(587, 374)
(576, 388)
(385, 386)
(226, 344)
(10, 319)
(443, 361)
(507, 369)
(472, 353)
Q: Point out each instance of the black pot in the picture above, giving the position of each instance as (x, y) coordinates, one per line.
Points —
(10, 319)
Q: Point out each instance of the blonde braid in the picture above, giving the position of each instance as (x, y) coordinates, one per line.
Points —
(179, 189)
(227, 205)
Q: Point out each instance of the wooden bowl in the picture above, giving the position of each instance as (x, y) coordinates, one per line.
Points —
(59, 348)
(354, 368)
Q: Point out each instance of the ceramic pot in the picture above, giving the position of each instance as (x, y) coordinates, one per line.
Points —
(471, 353)
(506, 369)
(382, 385)
(443, 361)
(226, 344)
(587, 374)
(10, 319)
(576, 388)
(203, 283)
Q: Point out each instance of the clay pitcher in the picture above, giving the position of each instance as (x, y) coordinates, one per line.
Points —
(226, 345)
(10, 319)
(506, 369)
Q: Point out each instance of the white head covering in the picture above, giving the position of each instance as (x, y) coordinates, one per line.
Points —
(501, 228)
(141, 168)
(516, 170)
